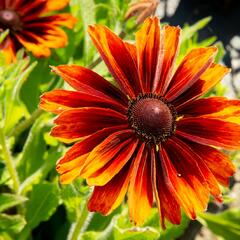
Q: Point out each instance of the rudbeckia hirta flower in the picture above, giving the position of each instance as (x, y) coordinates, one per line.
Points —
(151, 136)
(32, 27)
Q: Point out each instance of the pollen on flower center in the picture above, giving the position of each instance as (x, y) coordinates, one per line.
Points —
(9, 19)
(152, 118)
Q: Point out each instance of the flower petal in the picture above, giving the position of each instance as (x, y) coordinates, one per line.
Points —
(85, 80)
(63, 19)
(185, 177)
(148, 48)
(167, 204)
(113, 165)
(75, 157)
(206, 81)
(213, 107)
(108, 197)
(210, 131)
(171, 39)
(219, 163)
(117, 58)
(206, 172)
(114, 151)
(53, 5)
(140, 193)
(57, 101)
(195, 63)
(76, 123)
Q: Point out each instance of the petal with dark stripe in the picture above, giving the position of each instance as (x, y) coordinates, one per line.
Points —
(115, 150)
(148, 52)
(108, 197)
(219, 163)
(76, 123)
(189, 185)
(165, 196)
(171, 39)
(140, 193)
(57, 101)
(85, 80)
(206, 81)
(209, 131)
(195, 63)
(117, 58)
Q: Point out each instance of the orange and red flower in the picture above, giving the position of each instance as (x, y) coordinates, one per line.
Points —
(151, 137)
(32, 27)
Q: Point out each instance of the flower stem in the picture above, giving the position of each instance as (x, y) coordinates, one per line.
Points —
(9, 161)
(80, 225)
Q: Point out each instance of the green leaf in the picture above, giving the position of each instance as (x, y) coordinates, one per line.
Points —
(221, 51)
(13, 223)
(87, 11)
(3, 35)
(124, 230)
(224, 224)
(175, 231)
(73, 196)
(189, 31)
(50, 158)
(33, 150)
(42, 203)
(8, 200)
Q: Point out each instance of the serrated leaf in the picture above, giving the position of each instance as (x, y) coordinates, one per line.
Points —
(11, 223)
(42, 203)
(224, 224)
(8, 200)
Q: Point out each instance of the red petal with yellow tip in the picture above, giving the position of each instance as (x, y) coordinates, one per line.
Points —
(83, 79)
(210, 131)
(189, 185)
(114, 151)
(167, 204)
(76, 123)
(57, 101)
(171, 39)
(117, 58)
(218, 162)
(148, 52)
(205, 82)
(108, 197)
(196, 62)
(140, 194)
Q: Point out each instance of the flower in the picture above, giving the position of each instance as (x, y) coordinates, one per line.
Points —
(142, 9)
(32, 27)
(152, 136)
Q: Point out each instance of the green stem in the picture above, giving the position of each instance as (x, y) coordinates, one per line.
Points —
(9, 161)
(79, 226)
(25, 124)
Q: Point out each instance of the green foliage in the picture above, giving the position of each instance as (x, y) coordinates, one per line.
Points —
(225, 224)
(8, 200)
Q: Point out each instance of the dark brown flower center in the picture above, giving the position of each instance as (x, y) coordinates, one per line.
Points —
(152, 118)
(9, 19)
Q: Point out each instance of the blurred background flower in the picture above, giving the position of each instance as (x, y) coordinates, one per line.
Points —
(31, 26)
